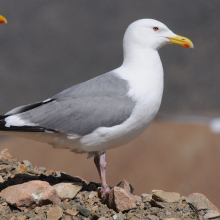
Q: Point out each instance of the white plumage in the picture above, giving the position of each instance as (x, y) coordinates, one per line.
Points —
(107, 111)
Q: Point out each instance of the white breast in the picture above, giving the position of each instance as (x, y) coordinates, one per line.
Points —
(146, 89)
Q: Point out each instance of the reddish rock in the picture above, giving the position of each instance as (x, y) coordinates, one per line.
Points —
(28, 195)
(203, 206)
(6, 156)
(200, 196)
(126, 185)
(120, 199)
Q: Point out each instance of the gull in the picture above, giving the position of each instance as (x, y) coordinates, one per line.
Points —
(107, 111)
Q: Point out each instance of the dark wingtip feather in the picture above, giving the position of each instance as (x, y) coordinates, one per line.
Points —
(3, 117)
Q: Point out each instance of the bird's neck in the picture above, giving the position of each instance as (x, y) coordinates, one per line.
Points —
(142, 68)
(142, 63)
(141, 59)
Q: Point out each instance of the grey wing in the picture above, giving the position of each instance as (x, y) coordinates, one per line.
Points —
(80, 116)
(100, 102)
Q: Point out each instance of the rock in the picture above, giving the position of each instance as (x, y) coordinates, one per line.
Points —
(42, 169)
(13, 218)
(38, 210)
(198, 202)
(5, 168)
(21, 217)
(211, 214)
(27, 163)
(126, 185)
(21, 169)
(30, 214)
(119, 216)
(84, 211)
(102, 218)
(1, 179)
(146, 197)
(6, 156)
(120, 199)
(93, 194)
(201, 201)
(152, 217)
(54, 213)
(50, 172)
(201, 204)
(65, 205)
(92, 201)
(28, 195)
(172, 219)
(68, 190)
(71, 212)
(161, 196)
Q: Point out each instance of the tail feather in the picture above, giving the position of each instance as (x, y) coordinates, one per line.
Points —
(22, 128)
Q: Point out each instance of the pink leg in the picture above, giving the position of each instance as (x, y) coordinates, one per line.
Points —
(101, 167)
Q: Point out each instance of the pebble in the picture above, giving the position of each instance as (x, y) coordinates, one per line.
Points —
(161, 196)
(27, 163)
(71, 212)
(119, 216)
(30, 214)
(65, 205)
(68, 190)
(42, 169)
(22, 169)
(146, 197)
(1, 179)
(152, 217)
(84, 211)
(21, 217)
(54, 213)
(38, 210)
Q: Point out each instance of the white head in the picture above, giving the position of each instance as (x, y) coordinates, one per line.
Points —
(152, 34)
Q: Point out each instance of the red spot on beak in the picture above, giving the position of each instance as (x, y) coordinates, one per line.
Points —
(186, 45)
(1, 21)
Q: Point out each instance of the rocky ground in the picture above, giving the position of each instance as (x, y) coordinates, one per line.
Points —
(35, 193)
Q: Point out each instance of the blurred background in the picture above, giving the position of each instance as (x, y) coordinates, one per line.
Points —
(48, 46)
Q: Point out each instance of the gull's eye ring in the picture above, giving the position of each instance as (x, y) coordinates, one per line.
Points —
(156, 28)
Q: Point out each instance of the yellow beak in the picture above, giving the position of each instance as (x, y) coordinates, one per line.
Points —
(3, 20)
(183, 41)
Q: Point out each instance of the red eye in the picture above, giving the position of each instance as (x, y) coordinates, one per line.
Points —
(156, 28)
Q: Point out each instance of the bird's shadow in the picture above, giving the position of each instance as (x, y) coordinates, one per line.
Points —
(52, 180)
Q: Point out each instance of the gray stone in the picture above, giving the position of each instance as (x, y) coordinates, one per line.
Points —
(42, 169)
(5, 168)
(68, 190)
(65, 205)
(211, 214)
(146, 197)
(84, 211)
(119, 216)
(152, 217)
(92, 195)
(27, 163)
(198, 202)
